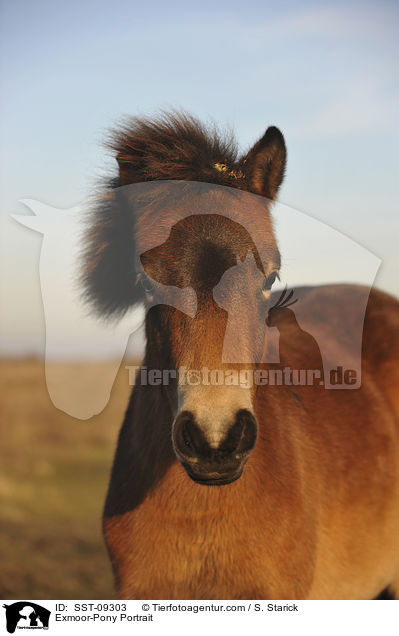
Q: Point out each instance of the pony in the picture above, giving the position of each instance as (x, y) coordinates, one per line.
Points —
(238, 492)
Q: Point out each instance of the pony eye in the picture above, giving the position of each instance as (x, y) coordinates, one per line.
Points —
(146, 284)
(267, 285)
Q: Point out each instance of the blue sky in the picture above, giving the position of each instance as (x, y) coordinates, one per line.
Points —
(325, 73)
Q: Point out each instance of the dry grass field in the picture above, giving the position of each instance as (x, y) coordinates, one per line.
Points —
(53, 477)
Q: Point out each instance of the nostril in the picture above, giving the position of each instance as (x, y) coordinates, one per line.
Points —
(187, 437)
(241, 437)
(192, 446)
(250, 430)
(188, 441)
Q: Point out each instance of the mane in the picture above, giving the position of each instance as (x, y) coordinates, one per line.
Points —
(175, 146)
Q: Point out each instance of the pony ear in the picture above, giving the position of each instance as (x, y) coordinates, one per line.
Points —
(109, 259)
(265, 163)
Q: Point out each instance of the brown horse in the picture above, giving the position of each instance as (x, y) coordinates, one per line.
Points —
(234, 492)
